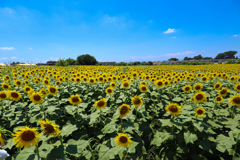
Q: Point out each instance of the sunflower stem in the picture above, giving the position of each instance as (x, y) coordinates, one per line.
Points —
(125, 157)
(121, 126)
(37, 151)
(2, 107)
(233, 111)
(61, 140)
(235, 148)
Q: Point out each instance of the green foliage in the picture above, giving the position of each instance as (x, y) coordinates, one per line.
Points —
(226, 55)
(61, 62)
(70, 61)
(86, 59)
(173, 59)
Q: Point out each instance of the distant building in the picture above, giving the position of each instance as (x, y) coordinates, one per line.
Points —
(157, 63)
(108, 63)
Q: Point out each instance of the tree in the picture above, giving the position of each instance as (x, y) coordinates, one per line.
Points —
(136, 63)
(207, 58)
(61, 62)
(86, 59)
(173, 59)
(69, 61)
(199, 57)
(227, 55)
(187, 58)
(149, 63)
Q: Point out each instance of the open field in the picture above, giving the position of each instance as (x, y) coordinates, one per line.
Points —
(99, 112)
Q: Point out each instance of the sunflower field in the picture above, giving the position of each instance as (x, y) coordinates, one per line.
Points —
(140, 113)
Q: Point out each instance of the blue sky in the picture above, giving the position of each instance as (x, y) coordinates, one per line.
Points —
(117, 30)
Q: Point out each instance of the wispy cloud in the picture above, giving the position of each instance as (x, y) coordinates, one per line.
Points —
(150, 21)
(7, 48)
(30, 48)
(173, 37)
(236, 35)
(13, 57)
(4, 58)
(169, 31)
(51, 59)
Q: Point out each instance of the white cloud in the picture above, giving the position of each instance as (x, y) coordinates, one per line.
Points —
(150, 21)
(30, 48)
(173, 37)
(22, 59)
(169, 31)
(4, 58)
(236, 35)
(13, 57)
(109, 19)
(179, 53)
(7, 48)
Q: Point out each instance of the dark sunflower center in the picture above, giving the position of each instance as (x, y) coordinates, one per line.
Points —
(236, 100)
(219, 98)
(173, 108)
(125, 84)
(113, 85)
(58, 83)
(27, 89)
(46, 82)
(144, 88)
(100, 79)
(166, 83)
(109, 90)
(217, 86)
(199, 97)
(5, 86)
(18, 83)
(223, 91)
(14, 95)
(197, 87)
(123, 110)
(28, 135)
(3, 95)
(200, 111)
(49, 128)
(91, 80)
(204, 79)
(52, 90)
(37, 97)
(159, 83)
(100, 104)
(238, 87)
(187, 88)
(123, 139)
(43, 92)
(136, 101)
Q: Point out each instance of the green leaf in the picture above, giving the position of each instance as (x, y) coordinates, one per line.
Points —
(190, 137)
(159, 138)
(110, 128)
(205, 144)
(177, 99)
(45, 149)
(25, 153)
(70, 109)
(166, 122)
(57, 153)
(81, 144)
(199, 126)
(68, 129)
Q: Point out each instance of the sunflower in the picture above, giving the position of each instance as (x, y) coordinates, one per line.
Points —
(27, 88)
(187, 88)
(57, 83)
(43, 92)
(113, 84)
(36, 98)
(5, 86)
(123, 140)
(218, 85)
(219, 99)
(125, 84)
(49, 128)
(13, 95)
(200, 111)
(75, 99)
(137, 101)
(143, 83)
(143, 88)
(200, 97)
(237, 87)
(30, 92)
(2, 140)
(78, 79)
(124, 110)
(109, 90)
(46, 82)
(3, 95)
(91, 80)
(26, 137)
(235, 100)
(159, 83)
(100, 104)
(173, 108)
(18, 83)
(223, 92)
(52, 90)
(197, 87)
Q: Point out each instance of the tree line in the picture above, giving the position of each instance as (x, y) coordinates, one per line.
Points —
(84, 59)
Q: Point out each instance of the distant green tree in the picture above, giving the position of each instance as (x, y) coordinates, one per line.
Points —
(231, 62)
(207, 58)
(199, 57)
(86, 59)
(187, 58)
(227, 55)
(149, 63)
(173, 59)
(61, 62)
(136, 63)
(70, 61)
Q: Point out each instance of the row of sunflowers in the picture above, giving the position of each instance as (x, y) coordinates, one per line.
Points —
(99, 112)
